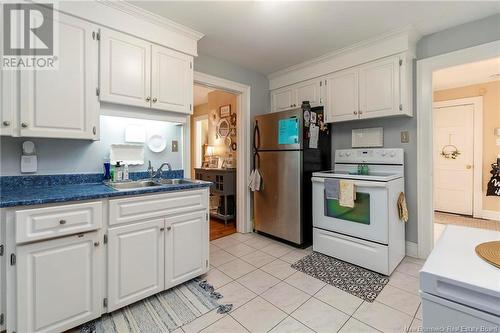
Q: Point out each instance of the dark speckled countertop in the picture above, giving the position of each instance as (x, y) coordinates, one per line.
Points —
(36, 190)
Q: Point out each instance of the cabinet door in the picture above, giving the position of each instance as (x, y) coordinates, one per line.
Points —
(8, 100)
(342, 96)
(309, 91)
(172, 80)
(58, 283)
(186, 247)
(379, 88)
(2, 278)
(62, 103)
(136, 262)
(283, 99)
(125, 69)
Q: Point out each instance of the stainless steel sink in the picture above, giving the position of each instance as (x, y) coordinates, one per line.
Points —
(174, 181)
(128, 185)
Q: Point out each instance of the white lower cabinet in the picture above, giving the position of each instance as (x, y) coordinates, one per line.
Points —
(186, 247)
(136, 262)
(58, 283)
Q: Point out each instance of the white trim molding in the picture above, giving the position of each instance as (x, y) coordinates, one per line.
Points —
(425, 68)
(402, 40)
(491, 215)
(125, 17)
(243, 221)
(477, 189)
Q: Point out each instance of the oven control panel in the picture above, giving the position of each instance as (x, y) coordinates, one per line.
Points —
(377, 156)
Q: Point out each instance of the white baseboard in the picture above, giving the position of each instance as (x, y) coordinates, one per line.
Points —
(490, 215)
(411, 249)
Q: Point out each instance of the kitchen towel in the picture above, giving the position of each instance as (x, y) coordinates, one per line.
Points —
(331, 188)
(402, 208)
(255, 181)
(347, 193)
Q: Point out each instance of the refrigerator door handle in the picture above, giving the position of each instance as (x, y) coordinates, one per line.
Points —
(256, 136)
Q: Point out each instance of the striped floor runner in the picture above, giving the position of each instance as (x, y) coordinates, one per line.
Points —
(163, 312)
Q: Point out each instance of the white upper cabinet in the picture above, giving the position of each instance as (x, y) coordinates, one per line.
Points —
(138, 73)
(291, 97)
(125, 69)
(309, 91)
(283, 99)
(186, 247)
(62, 103)
(342, 96)
(58, 283)
(379, 88)
(172, 80)
(8, 102)
(136, 262)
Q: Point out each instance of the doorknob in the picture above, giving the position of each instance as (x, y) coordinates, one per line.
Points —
(155, 99)
(468, 166)
(148, 99)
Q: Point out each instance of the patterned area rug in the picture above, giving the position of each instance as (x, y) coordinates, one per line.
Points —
(353, 279)
(163, 312)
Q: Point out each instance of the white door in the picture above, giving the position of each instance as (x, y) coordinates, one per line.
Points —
(62, 103)
(172, 80)
(453, 178)
(186, 247)
(136, 262)
(125, 69)
(379, 88)
(342, 96)
(284, 99)
(308, 91)
(58, 283)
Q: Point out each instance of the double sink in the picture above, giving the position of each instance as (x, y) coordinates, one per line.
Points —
(144, 183)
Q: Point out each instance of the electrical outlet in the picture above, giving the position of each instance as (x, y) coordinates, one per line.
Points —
(175, 146)
(405, 137)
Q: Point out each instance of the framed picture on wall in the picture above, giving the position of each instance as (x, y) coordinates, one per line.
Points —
(225, 111)
(214, 162)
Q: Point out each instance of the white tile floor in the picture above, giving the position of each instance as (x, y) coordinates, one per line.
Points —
(253, 273)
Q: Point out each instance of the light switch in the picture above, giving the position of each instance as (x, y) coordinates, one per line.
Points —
(175, 146)
(405, 137)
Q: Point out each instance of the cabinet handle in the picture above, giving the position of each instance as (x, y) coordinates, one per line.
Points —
(94, 130)
(169, 228)
(148, 99)
(62, 221)
(96, 244)
(23, 124)
(355, 112)
(155, 99)
(6, 123)
(360, 112)
(162, 229)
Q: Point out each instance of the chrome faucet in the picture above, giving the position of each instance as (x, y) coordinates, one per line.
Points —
(157, 173)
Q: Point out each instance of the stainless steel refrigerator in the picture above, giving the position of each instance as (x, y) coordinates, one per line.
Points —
(287, 151)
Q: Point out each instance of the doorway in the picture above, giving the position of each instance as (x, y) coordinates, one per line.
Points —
(458, 100)
(214, 150)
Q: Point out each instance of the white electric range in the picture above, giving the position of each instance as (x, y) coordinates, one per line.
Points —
(370, 234)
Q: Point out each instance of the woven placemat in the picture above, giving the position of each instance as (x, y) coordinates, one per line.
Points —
(489, 252)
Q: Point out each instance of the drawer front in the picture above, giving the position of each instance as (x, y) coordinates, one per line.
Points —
(50, 222)
(145, 207)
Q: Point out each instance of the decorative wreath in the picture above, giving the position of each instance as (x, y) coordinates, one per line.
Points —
(450, 151)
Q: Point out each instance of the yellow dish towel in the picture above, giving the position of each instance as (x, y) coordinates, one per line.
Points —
(347, 193)
(402, 208)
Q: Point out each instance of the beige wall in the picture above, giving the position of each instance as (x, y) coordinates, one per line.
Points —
(215, 100)
(491, 119)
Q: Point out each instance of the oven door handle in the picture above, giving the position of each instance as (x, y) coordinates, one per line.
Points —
(358, 183)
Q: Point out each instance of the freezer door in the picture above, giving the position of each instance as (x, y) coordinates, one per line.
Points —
(277, 207)
(276, 127)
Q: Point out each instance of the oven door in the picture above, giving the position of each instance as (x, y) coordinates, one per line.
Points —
(367, 220)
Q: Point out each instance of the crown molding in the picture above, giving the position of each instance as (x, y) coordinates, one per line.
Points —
(161, 21)
(407, 37)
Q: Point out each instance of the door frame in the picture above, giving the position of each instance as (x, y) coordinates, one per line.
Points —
(425, 68)
(195, 119)
(477, 188)
(243, 221)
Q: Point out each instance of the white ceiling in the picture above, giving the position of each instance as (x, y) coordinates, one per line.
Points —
(267, 36)
(200, 94)
(468, 74)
